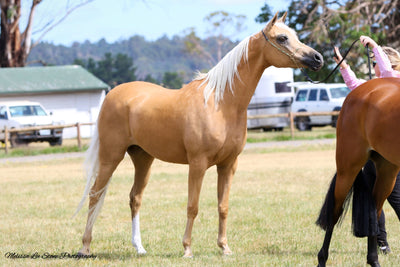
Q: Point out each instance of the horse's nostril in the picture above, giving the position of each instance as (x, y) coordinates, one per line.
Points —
(317, 58)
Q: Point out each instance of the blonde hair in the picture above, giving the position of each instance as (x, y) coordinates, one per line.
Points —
(393, 56)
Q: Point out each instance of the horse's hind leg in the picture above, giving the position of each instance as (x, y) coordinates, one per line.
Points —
(142, 162)
(349, 162)
(225, 175)
(96, 198)
(386, 174)
(330, 213)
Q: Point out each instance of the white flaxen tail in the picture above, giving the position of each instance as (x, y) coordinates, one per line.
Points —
(91, 166)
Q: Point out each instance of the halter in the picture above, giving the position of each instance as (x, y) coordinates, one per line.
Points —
(290, 55)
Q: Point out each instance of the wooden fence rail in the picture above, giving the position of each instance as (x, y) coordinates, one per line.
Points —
(290, 115)
(293, 115)
(78, 125)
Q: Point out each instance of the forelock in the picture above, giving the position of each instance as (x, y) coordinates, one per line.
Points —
(287, 28)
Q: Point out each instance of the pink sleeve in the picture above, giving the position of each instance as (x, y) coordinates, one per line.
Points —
(384, 64)
(350, 78)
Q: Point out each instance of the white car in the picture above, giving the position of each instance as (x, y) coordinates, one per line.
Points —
(318, 98)
(20, 114)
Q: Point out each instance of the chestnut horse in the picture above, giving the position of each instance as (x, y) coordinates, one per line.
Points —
(367, 128)
(202, 124)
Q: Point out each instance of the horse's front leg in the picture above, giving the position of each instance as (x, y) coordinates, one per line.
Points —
(225, 176)
(197, 170)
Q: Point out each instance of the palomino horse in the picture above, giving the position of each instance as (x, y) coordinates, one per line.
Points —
(367, 128)
(203, 124)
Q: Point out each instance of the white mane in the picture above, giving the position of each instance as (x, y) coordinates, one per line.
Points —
(224, 72)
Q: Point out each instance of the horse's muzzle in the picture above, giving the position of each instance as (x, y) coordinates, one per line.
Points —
(313, 60)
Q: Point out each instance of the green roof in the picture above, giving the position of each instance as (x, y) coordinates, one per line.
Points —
(48, 79)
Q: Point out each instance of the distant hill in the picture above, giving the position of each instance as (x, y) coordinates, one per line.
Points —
(150, 57)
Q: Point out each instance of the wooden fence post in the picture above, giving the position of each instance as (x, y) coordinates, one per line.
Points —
(78, 133)
(291, 124)
(6, 138)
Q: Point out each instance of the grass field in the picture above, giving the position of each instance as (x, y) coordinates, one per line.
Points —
(275, 199)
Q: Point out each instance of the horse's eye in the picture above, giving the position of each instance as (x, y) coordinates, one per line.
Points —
(282, 39)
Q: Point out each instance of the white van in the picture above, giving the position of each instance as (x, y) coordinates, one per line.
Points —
(20, 114)
(323, 97)
(272, 96)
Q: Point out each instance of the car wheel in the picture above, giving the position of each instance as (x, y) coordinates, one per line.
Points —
(303, 124)
(15, 141)
(56, 142)
(335, 118)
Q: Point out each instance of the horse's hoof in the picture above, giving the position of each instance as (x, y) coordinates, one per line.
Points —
(188, 253)
(83, 252)
(226, 251)
(322, 258)
(140, 249)
(374, 263)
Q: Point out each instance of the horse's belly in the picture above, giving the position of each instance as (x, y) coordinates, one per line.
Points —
(163, 148)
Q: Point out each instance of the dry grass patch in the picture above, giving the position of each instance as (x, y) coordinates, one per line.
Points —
(274, 201)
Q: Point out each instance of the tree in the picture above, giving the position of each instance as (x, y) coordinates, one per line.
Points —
(323, 24)
(172, 80)
(150, 79)
(112, 71)
(194, 45)
(15, 43)
(222, 27)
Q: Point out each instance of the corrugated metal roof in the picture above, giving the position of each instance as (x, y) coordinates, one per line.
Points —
(48, 79)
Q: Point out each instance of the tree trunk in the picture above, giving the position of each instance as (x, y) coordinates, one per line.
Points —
(14, 45)
(10, 37)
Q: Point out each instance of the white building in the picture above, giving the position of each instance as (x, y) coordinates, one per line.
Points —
(71, 93)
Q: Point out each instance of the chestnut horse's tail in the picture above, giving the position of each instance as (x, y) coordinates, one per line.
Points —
(91, 166)
(325, 219)
(364, 219)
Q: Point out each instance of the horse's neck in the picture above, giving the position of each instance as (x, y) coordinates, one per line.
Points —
(249, 74)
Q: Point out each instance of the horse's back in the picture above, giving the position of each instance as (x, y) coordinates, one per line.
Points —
(370, 116)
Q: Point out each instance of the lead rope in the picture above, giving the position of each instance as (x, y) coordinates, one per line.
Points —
(337, 66)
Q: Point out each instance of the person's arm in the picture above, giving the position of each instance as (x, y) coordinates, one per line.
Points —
(385, 67)
(350, 78)
(348, 75)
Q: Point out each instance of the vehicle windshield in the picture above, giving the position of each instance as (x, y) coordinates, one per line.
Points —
(30, 110)
(339, 92)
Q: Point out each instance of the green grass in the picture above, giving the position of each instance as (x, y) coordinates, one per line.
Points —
(274, 201)
(33, 149)
(254, 136)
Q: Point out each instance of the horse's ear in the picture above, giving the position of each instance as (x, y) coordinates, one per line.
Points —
(283, 18)
(271, 22)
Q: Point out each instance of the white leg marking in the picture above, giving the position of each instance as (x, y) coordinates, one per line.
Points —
(136, 239)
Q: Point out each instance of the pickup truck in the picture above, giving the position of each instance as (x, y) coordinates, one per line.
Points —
(22, 114)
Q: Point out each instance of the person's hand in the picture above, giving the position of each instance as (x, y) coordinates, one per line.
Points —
(366, 40)
(338, 57)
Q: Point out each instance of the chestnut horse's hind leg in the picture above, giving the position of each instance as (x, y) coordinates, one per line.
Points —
(332, 209)
(225, 175)
(142, 162)
(386, 174)
(197, 169)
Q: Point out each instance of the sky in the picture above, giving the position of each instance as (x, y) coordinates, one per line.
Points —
(120, 19)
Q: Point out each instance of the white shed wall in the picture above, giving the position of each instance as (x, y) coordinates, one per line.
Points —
(69, 108)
